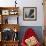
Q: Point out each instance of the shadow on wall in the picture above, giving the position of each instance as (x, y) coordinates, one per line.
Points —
(37, 29)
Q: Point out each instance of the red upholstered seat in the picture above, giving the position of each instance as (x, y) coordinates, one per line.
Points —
(29, 33)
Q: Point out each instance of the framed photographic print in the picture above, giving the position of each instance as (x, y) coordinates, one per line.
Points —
(30, 13)
(5, 12)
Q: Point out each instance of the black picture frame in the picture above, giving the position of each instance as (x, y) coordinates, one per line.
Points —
(29, 13)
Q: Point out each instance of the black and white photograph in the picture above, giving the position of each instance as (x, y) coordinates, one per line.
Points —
(29, 13)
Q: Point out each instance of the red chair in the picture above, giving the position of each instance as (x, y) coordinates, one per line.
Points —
(29, 33)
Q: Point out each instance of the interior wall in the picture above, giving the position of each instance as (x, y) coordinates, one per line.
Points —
(37, 29)
(26, 3)
(38, 5)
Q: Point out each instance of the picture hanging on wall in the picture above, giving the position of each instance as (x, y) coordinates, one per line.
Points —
(29, 13)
